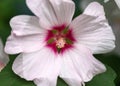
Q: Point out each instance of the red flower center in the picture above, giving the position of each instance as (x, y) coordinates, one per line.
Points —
(60, 38)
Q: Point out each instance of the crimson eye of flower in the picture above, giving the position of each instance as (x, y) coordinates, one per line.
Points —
(60, 38)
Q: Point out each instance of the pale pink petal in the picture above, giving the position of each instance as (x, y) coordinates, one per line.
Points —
(92, 29)
(42, 66)
(95, 9)
(64, 10)
(80, 66)
(4, 59)
(81, 22)
(52, 12)
(29, 43)
(25, 25)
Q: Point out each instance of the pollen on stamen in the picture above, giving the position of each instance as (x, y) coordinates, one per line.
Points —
(60, 43)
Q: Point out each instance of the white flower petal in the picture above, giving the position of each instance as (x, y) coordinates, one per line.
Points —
(42, 66)
(29, 43)
(25, 25)
(93, 30)
(64, 10)
(95, 9)
(81, 22)
(4, 59)
(80, 66)
(52, 12)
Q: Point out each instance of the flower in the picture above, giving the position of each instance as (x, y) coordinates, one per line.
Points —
(51, 44)
(4, 59)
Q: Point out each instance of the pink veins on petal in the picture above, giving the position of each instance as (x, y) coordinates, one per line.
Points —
(60, 38)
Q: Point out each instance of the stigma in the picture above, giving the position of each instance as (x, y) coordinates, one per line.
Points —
(60, 42)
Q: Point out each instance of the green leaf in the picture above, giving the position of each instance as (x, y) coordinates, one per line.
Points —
(113, 61)
(104, 79)
(8, 78)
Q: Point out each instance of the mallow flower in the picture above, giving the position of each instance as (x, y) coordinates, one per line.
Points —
(4, 59)
(52, 44)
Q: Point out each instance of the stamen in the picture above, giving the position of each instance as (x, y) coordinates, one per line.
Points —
(60, 42)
